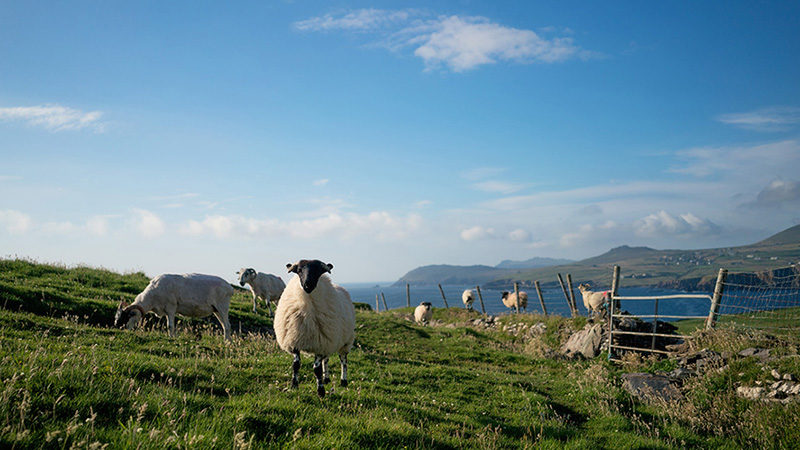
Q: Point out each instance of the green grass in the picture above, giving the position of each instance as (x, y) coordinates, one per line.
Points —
(70, 381)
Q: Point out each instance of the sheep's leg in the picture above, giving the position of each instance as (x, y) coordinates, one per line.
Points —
(171, 324)
(266, 300)
(343, 361)
(255, 301)
(296, 369)
(326, 376)
(226, 325)
(318, 373)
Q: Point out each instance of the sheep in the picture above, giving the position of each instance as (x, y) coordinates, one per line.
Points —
(423, 313)
(317, 317)
(468, 297)
(190, 295)
(510, 300)
(593, 301)
(268, 287)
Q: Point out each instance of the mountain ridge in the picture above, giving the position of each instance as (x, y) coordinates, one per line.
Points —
(640, 266)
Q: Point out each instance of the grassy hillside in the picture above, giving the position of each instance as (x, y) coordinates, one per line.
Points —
(69, 381)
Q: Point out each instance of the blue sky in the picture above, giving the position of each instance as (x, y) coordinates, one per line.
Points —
(206, 136)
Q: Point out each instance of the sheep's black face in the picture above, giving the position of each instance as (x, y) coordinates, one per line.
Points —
(246, 275)
(309, 272)
(122, 318)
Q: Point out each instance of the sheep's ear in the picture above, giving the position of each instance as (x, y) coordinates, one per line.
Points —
(122, 304)
(330, 267)
(291, 267)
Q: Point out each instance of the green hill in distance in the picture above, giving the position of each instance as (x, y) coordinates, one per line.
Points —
(640, 266)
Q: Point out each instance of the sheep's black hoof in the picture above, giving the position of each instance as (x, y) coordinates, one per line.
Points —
(321, 391)
(294, 383)
(343, 383)
(326, 381)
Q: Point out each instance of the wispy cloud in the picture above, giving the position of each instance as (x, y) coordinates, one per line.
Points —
(148, 224)
(458, 43)
(778, 194)
(363, 19)
(15, 222)
(54, 117)
(501, 187)
(380, 225)
(773, 157)
(767, 119)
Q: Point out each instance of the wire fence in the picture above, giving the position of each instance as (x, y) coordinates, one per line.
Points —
(767, 300)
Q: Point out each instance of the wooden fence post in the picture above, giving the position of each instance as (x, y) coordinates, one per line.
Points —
(385, 308)
(611, 305)
(566, 294)
(541, 297)
(443, 297)
(480, 297)
(572, 303)
(516, 292)
(377, 305)
(408, 296)
(718, 290)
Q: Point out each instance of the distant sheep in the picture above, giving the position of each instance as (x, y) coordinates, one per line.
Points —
(265, 286)
(317, 317)
(510, 300)
(423, 313)
(190, 295)
(468, 297)
(593, 301)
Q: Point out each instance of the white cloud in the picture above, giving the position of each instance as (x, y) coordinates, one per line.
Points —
(15, 222)
(663, 223)
(148, 224)
(321, 182)
(477, 233)
(98, 225)
(465, 43)
(766, 119)
(459, 43)
(519, 235)
(54, 117)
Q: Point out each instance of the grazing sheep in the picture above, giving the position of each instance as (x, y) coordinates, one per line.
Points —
(593, 301)
(317, 317)
(468, 297)
(268, 287)
(510, 300)
(423, 313)
(190, 295)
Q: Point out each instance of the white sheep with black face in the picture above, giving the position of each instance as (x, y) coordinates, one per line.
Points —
(510, 300)
(263, 285)
(317, 317)
(423, 313)
(593, 301)
(468, 297)
(190, 295)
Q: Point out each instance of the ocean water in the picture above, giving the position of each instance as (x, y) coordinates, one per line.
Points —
(554, 299)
